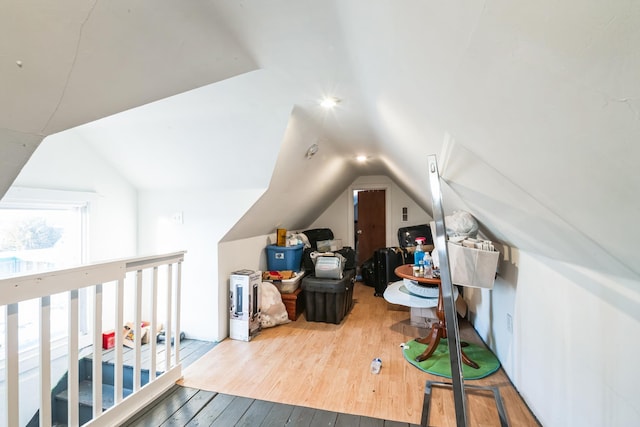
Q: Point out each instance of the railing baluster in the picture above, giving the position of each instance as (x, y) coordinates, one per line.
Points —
(117, 369)
(45, 361)
(137, 332)
(153, 327)
(11, 344)
(97, 354)
(167, 326)
(177, 339)
(73, 379)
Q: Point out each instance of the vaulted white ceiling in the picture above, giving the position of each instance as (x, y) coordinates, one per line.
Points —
(532, 108)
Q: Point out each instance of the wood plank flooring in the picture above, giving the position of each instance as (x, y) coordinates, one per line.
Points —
(326, 367)
(190, 351)
(184, 406)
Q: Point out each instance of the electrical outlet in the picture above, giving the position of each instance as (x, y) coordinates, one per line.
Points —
(177, 218)
(509, 323)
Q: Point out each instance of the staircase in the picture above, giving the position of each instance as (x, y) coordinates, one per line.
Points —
(116, 286)
(59, 400)
(190, 351)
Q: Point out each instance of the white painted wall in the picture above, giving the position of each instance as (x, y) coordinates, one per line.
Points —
(237, 255)
(339, 215)
(207, 216)
(62, 162)
(572, 353)
(67, 163)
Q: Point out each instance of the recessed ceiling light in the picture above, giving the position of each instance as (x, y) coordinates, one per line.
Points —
(361, 158)
(329, 102)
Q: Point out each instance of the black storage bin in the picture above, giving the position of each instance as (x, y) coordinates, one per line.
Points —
(328, 300)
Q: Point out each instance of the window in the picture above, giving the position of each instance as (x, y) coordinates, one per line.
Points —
(41, 230)
(39, 238)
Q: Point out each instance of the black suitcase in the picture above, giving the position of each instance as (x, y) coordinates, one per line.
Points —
(368, 272)
(350, 255)
(318, 234)
(386, 260)
(407, 235)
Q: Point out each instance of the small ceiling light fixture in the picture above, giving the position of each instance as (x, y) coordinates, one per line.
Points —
(361, 158)
(311, 151)
(329, 102)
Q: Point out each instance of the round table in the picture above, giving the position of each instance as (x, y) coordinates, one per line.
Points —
(397, 293)
(439, 330)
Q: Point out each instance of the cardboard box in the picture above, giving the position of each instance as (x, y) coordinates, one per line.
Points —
(426, 317)
(244, 304)
(423, 317)
(281, 237)
(294, 303)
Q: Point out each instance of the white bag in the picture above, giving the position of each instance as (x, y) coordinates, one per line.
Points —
(273, 311)
(461, 223)
(472, 267)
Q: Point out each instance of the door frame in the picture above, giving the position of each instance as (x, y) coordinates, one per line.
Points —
(387, 209)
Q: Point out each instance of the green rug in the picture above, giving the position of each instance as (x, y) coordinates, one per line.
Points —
(440, 364)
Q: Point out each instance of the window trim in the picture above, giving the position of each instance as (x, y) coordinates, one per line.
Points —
(19, 197)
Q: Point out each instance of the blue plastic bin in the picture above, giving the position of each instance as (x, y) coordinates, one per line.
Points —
(284, 257)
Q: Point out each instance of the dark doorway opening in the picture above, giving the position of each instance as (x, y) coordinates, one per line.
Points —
(369, 223)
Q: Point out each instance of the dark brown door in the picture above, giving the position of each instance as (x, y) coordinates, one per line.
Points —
(371, 225)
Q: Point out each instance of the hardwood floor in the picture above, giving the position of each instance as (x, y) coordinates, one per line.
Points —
(190, 407)
(326, 366)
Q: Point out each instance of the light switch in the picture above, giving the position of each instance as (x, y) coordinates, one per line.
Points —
(178, 218)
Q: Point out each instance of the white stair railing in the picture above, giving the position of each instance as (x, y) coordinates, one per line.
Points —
(96, 276)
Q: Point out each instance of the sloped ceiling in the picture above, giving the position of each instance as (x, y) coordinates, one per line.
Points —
(532, 108)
